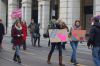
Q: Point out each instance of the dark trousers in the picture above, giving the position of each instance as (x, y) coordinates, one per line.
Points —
(53, 45)
(24, 45)
(35, 40)
(1, 38)
(64, 45)
(49, 43)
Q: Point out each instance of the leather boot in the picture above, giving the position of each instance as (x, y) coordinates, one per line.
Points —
(49, 58)
(60, 61)
(19, 60)
(15, 58)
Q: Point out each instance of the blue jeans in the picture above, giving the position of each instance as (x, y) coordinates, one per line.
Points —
(17, 50)
(74, 45)
(96, 55)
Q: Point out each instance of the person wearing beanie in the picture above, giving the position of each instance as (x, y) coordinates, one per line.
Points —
(94, 40)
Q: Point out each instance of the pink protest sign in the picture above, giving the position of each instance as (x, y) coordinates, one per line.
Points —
(58, 35)
(17, 13)
(78, 35)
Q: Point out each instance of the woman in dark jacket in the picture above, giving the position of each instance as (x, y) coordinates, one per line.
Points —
(2, 32)
(17, 35)
(54, 44)
(36, 35)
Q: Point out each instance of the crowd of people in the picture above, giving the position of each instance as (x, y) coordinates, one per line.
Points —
(19, 36)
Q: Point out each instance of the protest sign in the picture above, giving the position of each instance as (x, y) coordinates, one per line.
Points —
(78, 35)
(58, 35)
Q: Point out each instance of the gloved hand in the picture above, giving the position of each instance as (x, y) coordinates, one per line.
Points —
(22, 34)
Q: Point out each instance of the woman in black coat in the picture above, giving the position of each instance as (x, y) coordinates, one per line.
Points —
(36, 35)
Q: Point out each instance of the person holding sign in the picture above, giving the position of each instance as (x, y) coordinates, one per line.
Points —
(74, 42)
(55, 25)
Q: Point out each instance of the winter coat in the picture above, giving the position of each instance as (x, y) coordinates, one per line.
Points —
(94, 35)
(17, 35)
(2, 30)
(24, 30)
(31, 27)
(36, 33)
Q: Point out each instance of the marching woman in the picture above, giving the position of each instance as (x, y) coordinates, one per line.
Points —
(74, 43)
(17, 36)
(24, 30)
(55, 25)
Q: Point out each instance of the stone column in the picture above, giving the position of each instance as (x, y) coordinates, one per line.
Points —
(12, 5)
(96, 5)
(43, 14)
(69, 11)
(26, 10)
(64, 11)
(3, 11)
(76, 10)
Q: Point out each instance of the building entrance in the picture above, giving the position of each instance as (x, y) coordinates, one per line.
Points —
(86, 13)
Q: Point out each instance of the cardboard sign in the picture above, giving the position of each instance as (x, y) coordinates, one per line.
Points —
(58, 35)
(78, 35)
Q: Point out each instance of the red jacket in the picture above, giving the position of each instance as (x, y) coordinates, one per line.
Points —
(24, 30)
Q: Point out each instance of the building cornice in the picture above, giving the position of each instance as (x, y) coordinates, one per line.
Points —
(26, 2)
(43, 0)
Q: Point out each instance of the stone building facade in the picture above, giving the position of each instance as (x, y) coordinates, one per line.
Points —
(43, 10)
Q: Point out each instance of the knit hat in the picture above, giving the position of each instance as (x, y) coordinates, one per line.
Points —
(97, 18)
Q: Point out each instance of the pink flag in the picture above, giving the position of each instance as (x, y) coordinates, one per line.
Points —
(17, 13)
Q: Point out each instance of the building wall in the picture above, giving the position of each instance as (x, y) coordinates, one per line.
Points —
(69, 11)
(3, 12)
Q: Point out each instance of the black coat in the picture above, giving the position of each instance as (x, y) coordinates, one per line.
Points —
(94, 38)
(2, 30)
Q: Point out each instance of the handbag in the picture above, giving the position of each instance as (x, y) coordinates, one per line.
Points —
(35, 35)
